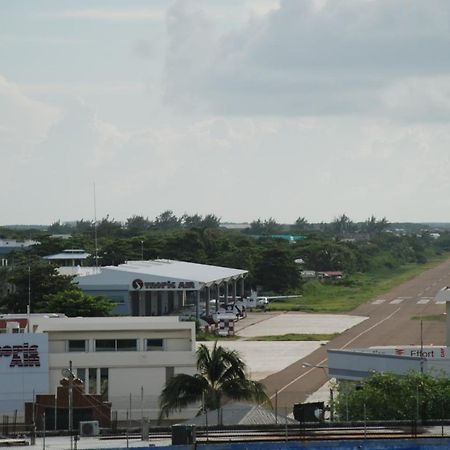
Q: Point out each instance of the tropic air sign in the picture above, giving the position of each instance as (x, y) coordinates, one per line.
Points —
(139, 285)
(24, 355)
(23, 368)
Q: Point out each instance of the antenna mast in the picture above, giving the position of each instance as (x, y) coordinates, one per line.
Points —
(95, 228)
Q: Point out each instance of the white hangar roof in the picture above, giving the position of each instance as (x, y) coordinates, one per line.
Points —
(160, 271)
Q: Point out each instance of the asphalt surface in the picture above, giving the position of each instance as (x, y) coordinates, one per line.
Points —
(389, 323)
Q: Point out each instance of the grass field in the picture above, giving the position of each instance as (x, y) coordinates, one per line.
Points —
(326, 297)
(432, 317)
(296, 337)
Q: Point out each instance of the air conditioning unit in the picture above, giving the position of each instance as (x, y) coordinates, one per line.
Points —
(89, 428)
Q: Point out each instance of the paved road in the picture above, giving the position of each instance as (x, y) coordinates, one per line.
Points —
(389, 323)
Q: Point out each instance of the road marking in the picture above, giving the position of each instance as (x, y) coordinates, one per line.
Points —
(378, 302)
(325, 359)
(396, 301)
(441, 302)
(406, 297)
(420, 294)
(423, 301)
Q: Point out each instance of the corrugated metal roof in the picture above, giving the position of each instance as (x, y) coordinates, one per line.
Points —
(240, 414)
(166, 268)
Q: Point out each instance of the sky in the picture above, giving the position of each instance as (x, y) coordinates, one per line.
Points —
(245, 109)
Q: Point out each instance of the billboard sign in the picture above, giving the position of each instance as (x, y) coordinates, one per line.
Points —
(23, 368)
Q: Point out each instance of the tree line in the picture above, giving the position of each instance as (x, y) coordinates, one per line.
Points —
(271, 262)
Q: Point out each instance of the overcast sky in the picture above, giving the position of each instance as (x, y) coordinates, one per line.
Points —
(241, 108)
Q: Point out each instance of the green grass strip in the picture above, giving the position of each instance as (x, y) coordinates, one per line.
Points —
(329, 297)
(296, 337)
(431, 317)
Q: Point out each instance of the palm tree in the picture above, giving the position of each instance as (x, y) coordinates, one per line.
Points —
(221, 375)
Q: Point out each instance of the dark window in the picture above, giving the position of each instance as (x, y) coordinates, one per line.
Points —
(92, 381)
(78, 345)
(105, 345)
(104, 383)
(154, 344)
(126, 345)
(81, 374)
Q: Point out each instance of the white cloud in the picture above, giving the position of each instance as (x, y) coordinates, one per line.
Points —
(310, 58)
(109, 14)
(23, 120)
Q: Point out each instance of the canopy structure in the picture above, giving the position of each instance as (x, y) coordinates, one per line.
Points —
(159, 287)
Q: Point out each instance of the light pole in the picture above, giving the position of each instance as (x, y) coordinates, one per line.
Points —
(142, 250)
(325, 368)
(68, 373)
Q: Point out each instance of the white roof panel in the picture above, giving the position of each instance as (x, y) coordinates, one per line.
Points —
(162, 269)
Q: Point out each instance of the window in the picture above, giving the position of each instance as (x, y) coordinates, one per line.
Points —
(77, 345)
(92, 381)
(155, 344)
(116, 345)
(81, 374)
(105, 345)
(117, 299)
(126, 345)
(104, 383)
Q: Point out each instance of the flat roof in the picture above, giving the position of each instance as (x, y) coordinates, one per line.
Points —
(180, 269)
(161, 270)
(68, 324)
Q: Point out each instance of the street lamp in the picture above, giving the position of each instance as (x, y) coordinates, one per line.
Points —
(314, 366)
(325, 368)
(142, 250)
(68, 373)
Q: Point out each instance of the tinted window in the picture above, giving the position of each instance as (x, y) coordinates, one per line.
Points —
(105, 345)
(124, 345)
(78, 345)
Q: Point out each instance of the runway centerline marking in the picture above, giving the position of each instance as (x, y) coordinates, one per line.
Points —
(325, 359)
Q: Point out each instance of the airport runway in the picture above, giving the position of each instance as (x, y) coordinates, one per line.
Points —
(389, 323)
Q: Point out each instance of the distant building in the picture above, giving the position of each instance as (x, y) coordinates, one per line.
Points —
(161, 287)
(71, 257)
(10, 245)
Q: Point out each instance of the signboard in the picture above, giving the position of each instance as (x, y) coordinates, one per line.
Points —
(23, 368)
(415, 351)
(140, 285)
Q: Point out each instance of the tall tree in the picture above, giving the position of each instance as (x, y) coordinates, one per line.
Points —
(32, 282)
(221, 375)
(167, 220)
(75, 302)
(137, 225)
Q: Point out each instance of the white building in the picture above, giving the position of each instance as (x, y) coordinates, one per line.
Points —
(123, 358)
(162, 286)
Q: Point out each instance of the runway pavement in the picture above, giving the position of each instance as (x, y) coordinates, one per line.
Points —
(389, 323)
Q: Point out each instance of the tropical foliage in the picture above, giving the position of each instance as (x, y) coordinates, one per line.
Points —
(221, 376)
(385, 396)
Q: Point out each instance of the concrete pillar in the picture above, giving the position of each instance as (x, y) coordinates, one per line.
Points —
(218, 297)
(234, 291)
(208, 299)
(242, 287)
(226, 292)
(154, 304)
(142, 303)
(197, 305)
(164, 303)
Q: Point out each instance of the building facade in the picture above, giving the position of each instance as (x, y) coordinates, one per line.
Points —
(161, 287)
(123, 359)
